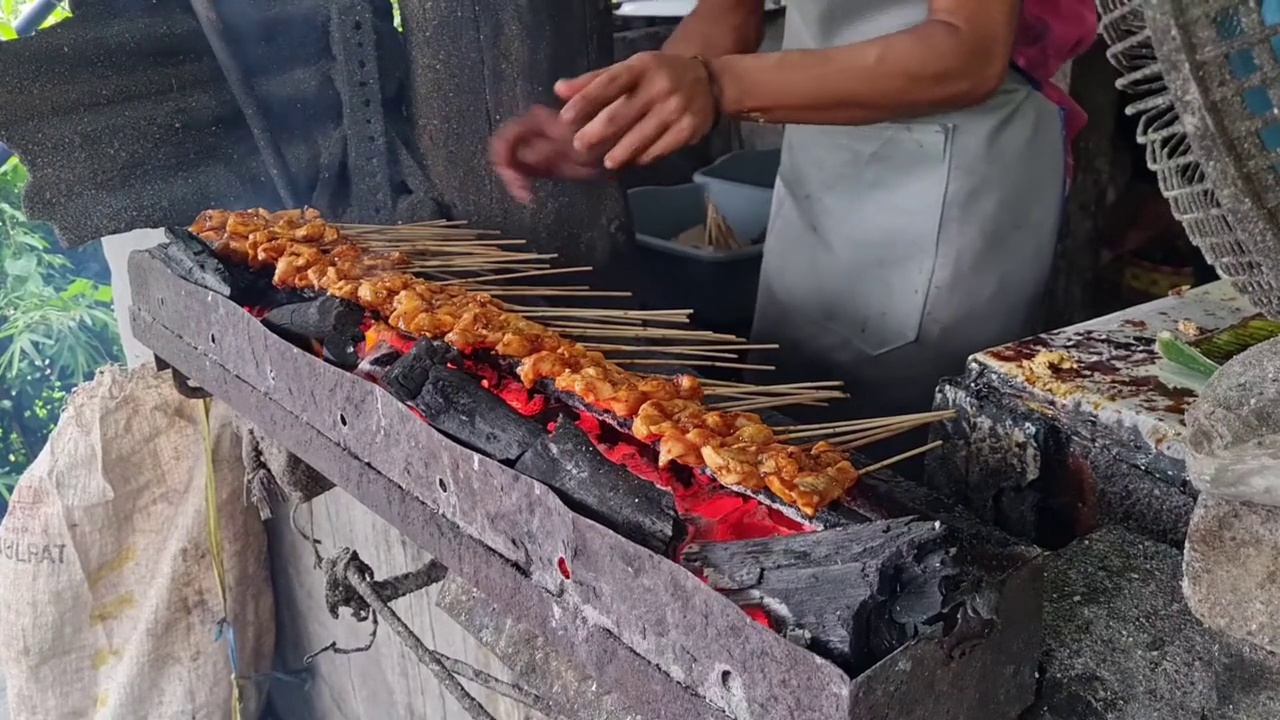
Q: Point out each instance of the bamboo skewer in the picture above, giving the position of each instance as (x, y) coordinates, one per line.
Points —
(744, 405)
(635, 332)
(613, 323)
(556, 293)
(557, 317)
(899, 458)
(440, 242)
(694, 363)
(680, 352)
(472, 267)
(667, 348)
(420, 223)
(776, 403)
(861, 431)
(866, 437)
(524, 309)
(836, 428)
(774, 396)
(531, 273)
(788, 386)
(503, 259)
(719, 235)
(486, 288)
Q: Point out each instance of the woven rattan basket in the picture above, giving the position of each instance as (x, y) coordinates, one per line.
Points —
(1207, 77)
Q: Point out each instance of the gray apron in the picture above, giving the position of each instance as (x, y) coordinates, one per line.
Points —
(897, 250)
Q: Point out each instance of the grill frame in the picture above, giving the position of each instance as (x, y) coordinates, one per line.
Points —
(697, 655)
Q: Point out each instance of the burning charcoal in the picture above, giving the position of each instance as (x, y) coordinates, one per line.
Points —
(569, 463)
(193, 261)
(455, 404)
(341, 349)
(377, 361)
(852, 594)
(316, 319)
(188, 257)
(406, 378)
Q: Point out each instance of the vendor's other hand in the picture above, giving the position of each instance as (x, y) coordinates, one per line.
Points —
(641, 109)
(538, 144)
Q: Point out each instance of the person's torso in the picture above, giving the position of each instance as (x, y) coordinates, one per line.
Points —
(830, 23)
(878, 231)
(1050, 34)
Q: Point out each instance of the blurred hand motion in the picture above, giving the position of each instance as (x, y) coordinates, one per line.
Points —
(640, 109)
(633, 112)
(538, 144)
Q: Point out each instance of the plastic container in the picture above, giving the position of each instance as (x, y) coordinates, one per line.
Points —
(740, 185)
(719, 286)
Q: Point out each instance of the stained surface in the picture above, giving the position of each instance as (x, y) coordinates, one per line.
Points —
(1079, 428)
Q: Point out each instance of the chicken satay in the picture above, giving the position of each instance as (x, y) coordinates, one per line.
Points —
(737, 448)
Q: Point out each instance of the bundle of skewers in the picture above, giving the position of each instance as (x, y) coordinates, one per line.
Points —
(451, 284)
(715, 233)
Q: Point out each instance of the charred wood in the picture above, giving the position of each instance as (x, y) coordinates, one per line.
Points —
(343, 349)
(594, 487)
(852, 594)
(315, 319)
(406, 378)
(456, 405)
(378, 361)
(188, 257)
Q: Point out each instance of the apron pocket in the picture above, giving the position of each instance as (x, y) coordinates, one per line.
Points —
(857, 225)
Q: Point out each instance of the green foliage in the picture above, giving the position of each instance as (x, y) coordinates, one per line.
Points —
(11, 10)
(56, 329)
(56, 326)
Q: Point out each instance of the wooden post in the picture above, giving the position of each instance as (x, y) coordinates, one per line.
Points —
(474, 64)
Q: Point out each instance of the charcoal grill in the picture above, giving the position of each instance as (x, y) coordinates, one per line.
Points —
(895, 598)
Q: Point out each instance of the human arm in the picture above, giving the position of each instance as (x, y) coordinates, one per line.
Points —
(956, 58)
(717, 28)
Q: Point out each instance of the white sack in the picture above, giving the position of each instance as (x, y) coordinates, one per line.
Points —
(106, 574)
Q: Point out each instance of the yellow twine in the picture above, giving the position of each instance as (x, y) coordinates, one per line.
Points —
(215, 537)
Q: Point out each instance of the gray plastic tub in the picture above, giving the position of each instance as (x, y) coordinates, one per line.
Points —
(719, 286)
(661, 214)
(740, 185)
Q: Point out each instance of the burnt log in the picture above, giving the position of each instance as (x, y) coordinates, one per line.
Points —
(456, 405)
(188, 257)
(193, 261)
(408, 376)
(315, 319)
(594, 487)
(853, 594)
(343, 349)
(378, 361)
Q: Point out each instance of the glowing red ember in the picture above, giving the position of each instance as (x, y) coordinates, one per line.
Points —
(712, 512)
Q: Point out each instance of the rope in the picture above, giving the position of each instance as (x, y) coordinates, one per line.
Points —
(223, 627)
(346, 564)
(349, 583)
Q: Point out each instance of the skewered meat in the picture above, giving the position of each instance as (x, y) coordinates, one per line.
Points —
(738, 448)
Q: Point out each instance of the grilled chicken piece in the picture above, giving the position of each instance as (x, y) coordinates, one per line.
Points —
(737, 448)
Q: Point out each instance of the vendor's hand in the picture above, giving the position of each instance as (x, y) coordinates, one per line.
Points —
(640, 109)
(539, 144)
